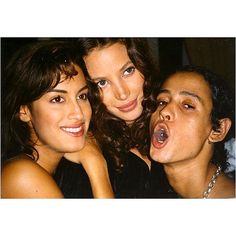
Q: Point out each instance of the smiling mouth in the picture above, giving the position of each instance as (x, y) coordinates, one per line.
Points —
(75, 132)
(129, 106)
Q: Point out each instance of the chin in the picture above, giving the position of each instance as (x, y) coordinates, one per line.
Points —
(76, 148)
(154, 155)
(158, 157)
(133, 117)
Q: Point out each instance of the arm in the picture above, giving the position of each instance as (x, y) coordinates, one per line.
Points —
(23, 178)
(96, 168)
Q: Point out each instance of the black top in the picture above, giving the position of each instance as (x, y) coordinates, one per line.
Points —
(135, 180)
(73, 180)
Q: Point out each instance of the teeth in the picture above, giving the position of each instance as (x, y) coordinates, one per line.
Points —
(72, 130)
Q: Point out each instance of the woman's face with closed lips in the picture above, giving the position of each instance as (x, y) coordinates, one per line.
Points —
(119, 82)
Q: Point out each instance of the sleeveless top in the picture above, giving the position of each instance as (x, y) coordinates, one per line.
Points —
(135, 180)
(73, 180)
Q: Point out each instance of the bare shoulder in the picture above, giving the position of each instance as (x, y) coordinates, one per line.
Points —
(24, 178)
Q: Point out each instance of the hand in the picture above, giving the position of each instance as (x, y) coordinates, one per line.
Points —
(95, 165)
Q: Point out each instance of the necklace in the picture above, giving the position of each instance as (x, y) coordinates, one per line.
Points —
(212, 183)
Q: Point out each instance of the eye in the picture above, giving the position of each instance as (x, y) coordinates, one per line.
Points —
(102, 83)
(57, 99)
(83, 96)
(161, 103)
(188, 106)
(129, 70)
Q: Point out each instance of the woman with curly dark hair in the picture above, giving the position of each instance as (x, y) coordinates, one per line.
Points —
(194, 115)
(121, 78)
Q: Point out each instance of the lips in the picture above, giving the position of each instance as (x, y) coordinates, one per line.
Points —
(128, 106)
(74, 131)
(160, 136)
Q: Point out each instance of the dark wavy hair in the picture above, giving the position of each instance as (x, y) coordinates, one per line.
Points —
(31, 72)
(223, 106)
(112, 134)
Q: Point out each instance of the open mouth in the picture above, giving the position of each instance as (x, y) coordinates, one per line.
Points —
(72, 130)
(77, 131)
(160, 135)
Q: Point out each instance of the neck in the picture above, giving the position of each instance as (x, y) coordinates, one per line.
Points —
(190, 181)
(48, 159)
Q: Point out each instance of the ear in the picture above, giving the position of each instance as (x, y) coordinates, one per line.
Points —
(219, 135)
(24, 114)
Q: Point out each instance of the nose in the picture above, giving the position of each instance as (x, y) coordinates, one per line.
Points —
(121, 90)
(167, 113)
(75, 111)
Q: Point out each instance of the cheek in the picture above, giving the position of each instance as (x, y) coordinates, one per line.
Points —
(87, 111)
(151, 126)
(44, 120)
(154, 119)
(199, 128)
(41, 127)
(107, 97)
(138, 85)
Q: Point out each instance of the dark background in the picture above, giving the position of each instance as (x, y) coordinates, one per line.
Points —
(216, 54)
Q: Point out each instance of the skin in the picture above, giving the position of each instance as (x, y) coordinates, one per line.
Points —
(184, 110)
(120, 83)
(96, 167)
(59, 122)
(121, 90)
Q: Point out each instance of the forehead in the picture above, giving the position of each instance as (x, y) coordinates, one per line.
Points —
(106, 55)
(189, 81)
(108, 50)
(182, 83)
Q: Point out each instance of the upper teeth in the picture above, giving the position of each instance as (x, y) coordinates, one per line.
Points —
(72, 130)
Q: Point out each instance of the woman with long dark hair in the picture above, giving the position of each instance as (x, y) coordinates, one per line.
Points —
(45, 113)
(121, 75)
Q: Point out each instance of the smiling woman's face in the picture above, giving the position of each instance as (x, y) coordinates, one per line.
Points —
(60, 118)
(181, 125)
(119, 82)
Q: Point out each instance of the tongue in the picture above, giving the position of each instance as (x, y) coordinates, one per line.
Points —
(161, 135)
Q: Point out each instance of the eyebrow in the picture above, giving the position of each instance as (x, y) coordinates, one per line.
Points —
(125, 65)
(64, 91)
(121, 69)
(186, 93)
